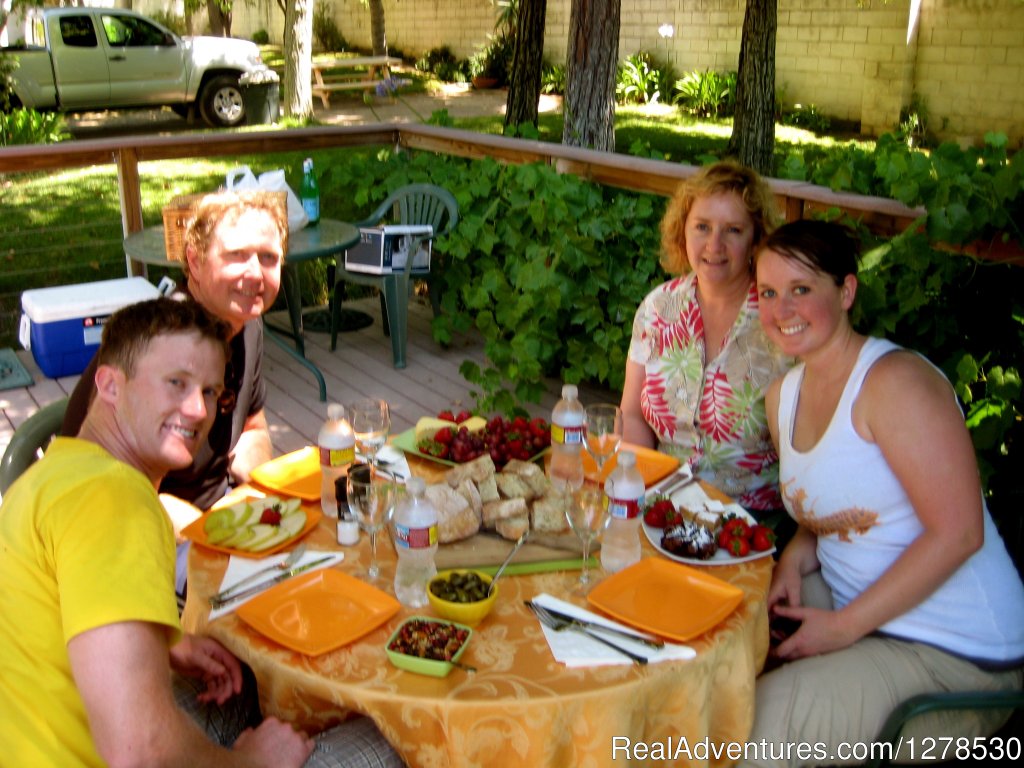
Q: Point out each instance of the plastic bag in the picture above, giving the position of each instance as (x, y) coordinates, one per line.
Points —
(242, 178)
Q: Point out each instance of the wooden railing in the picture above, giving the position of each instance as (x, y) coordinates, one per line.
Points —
(796, 199)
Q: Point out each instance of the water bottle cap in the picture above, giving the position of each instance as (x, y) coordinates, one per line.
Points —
(569, 392)
(626, 459)
(335, 411)
(416, 485)
(307, 165)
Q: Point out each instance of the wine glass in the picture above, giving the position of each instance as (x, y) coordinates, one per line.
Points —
(604, 432)
(371, 422)
(370, 497)
(588, 516)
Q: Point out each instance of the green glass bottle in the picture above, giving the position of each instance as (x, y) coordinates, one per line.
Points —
(309, 194)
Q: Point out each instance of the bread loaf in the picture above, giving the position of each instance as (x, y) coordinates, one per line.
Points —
(456, 519)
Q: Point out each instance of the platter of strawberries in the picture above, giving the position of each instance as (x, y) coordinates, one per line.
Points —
(706, 537)
(457, 438)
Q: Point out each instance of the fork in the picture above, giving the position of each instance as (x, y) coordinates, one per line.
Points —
(558, 625)
(294, 557)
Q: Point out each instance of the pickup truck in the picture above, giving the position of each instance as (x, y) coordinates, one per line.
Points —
(75, 59)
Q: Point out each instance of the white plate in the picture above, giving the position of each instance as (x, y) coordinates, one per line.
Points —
(721, 557)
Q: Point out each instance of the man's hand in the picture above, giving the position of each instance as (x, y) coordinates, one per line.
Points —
(274, 744)
(205, 658)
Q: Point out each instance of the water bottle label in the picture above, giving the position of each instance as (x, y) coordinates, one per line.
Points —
(624, 509)
(415, 538)
(568, 435)
(337, 457)
(311, 206)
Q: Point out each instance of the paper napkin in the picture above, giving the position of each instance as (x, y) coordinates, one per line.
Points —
(575, 649)
(241, 567)
(393, 460)
(694, 498)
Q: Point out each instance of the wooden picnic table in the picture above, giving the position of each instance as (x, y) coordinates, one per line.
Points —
(378, 69)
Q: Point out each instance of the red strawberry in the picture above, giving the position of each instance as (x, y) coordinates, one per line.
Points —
(739, 547)
(270, 516)
(444, 435)
(463, 416)
(446, 416)
(658, 513)
(762, 538)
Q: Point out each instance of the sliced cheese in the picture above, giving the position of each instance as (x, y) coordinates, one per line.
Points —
(474, 423)
(428, 426)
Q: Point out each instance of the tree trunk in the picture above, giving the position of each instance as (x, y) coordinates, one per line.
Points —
(590, 71)
(753, 127)
(298, 58)
(377, 35)
(220, 21)
(527, 64)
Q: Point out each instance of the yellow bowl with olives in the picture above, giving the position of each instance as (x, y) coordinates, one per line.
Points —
(461, 595)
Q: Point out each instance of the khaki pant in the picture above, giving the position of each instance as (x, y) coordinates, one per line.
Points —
(843, 698)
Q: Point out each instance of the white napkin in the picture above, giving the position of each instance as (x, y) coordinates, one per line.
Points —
(575, 649)
(681, 475)
(241, 567)
(694, 498)
(393, 460)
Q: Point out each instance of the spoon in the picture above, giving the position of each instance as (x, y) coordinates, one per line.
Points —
(508, 558)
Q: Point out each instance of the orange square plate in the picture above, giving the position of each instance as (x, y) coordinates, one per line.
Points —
(318, 611)
(653, 465)
(196, 532)
(671, 600)
(294, 474)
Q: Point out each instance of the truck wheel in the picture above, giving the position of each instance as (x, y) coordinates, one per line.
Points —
(220, 102)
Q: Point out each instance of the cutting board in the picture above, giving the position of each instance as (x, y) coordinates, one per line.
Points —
(486, 549)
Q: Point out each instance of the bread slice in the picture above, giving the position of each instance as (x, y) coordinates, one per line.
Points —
(456, 519)
(548, 513)
(512, 528)
(476, 470)
(493, 511)
(514, 487)
(522, 468)
(468, 490)
(488, 489)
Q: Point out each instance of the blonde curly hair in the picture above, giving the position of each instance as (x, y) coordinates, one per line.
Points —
(213, 209)
(715, 179)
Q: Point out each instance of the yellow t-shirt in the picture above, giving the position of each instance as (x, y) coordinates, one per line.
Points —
(84, 543)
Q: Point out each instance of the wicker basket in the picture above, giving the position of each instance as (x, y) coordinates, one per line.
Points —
(177, 215)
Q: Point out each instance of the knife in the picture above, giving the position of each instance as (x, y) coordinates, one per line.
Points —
(268, 583)
(675, 481)
(646, 640)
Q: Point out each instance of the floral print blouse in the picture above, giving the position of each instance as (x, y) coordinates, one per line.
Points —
(708, 409)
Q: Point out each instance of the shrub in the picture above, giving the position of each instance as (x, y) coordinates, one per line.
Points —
(707, 94)
(261, 37)
(443, 64)
(552, 78)
(26, 126)
(807, 117)
(494, 59)
(641, 80)
(325, 29)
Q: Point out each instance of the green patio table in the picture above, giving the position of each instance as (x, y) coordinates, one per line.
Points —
(322, 240)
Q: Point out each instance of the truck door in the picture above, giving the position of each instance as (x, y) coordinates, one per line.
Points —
(79, 61)
(147, 63)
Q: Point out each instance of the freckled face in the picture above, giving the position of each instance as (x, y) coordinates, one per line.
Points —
(801, 309)
(239, 278)
(719, 240)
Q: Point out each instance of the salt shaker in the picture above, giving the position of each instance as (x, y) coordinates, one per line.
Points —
(348, 526)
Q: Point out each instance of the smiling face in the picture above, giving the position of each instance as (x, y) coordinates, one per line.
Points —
(802, 309)
(164, 411)
(719, 241)
(240, 276)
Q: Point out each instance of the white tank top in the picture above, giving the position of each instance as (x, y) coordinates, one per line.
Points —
(844, 491)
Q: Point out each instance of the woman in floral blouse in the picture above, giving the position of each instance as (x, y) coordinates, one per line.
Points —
(699, 361)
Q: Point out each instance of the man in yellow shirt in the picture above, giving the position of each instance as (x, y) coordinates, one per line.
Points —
(89, 629)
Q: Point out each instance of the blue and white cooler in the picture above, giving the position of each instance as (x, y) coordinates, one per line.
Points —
(62, 325)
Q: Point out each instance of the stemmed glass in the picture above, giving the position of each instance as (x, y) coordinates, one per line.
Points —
(370, 497)
(588, 516)
(604, 432)
(371, 422)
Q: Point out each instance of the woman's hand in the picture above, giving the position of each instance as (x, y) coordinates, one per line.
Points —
(819, 632)
(205, 658)
(798, 559)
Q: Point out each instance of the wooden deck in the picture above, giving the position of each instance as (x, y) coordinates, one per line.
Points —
(360, 367)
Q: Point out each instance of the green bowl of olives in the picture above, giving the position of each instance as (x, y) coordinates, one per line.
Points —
(461, 595)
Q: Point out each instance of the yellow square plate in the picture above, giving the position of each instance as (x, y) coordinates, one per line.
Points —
(294, 474)
(671, 600)
(318, 611)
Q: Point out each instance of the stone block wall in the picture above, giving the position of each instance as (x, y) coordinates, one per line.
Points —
(858, 61)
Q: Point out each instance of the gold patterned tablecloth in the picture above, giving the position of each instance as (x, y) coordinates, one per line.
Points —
(521, 707)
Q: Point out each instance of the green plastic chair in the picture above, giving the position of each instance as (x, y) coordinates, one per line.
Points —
(411, 204)
(29, 441)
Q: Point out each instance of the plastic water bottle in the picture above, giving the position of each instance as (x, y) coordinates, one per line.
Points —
(337, 450)
(568, 435)
(415, 534)
(309, 192)
(625, 490)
